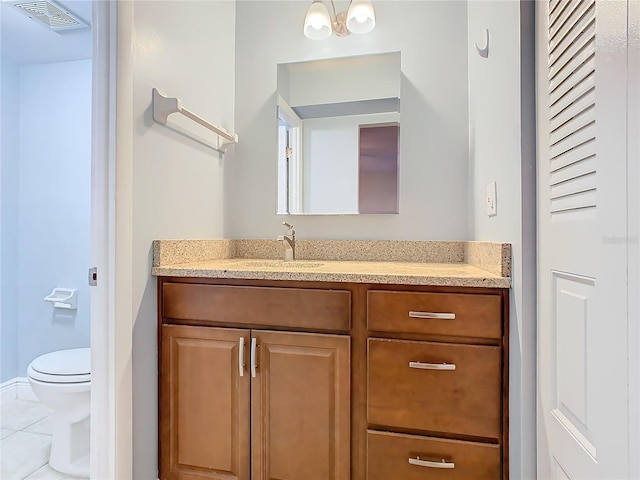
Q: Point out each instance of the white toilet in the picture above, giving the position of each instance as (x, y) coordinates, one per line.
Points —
(62, 381)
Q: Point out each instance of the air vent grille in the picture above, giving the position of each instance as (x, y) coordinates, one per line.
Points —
(50, 14)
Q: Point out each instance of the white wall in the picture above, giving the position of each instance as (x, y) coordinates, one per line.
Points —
(348, 79)
(9, 165)
(331, 162)
(171, 185)
(330, 165)
(46, 163)
(434, 125)
(502, 148)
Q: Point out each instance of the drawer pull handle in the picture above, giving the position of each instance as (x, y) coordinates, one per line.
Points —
(432, 366)
(254, 364)
(241, 357)
(426, 463)
(433, 315)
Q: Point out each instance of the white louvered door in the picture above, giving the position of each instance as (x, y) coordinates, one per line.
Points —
(582, 258)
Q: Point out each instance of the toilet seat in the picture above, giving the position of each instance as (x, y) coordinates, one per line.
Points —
(63, 366)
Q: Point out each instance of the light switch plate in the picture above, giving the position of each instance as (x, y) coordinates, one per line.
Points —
(492, 199)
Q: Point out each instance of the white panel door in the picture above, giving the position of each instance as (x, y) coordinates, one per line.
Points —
(582, 227)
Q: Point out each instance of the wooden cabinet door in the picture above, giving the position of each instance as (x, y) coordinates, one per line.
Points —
(301, 407)
(204, 404)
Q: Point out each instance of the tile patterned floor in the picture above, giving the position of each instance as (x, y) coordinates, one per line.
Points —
(25, 442)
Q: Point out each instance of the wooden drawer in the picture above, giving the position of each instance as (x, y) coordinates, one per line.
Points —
(297, 308)
(466, 400)
(388, 457)
(466, 315)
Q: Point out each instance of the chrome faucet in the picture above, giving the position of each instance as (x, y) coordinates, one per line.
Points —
(289, 241)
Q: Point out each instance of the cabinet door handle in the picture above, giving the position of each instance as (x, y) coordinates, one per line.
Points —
(254, 364)
(432, 366)
(426, 463)
(241, 357)
(433, 315)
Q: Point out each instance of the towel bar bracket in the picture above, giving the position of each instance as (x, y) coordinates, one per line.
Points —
(164, 106)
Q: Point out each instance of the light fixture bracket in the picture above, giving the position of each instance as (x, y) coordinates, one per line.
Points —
(339, 25)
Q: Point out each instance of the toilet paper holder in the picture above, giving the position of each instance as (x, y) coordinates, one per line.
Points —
(66, 298)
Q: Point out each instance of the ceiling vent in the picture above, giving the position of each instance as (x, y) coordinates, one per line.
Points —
(52, 15)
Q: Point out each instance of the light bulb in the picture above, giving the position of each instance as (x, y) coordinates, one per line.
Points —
(361, 17)
(317, 23)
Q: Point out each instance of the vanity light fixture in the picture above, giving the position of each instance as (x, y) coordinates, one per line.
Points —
(359, 18)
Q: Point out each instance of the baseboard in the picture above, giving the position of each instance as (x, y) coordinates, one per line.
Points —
(9, 390)
(18, 387)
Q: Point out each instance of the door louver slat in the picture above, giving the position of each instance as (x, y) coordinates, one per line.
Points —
(566, 47)
(575, 139)
(573, 95)
(573, 170)
(579, 121)
(570, 61)
(582, 183)
(587, 9)
(553, 4)
(581, 152)
(571, 49)
(574, 78)
(560, 19)
(578, 105)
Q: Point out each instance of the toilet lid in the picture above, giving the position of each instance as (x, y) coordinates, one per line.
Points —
(65, 363)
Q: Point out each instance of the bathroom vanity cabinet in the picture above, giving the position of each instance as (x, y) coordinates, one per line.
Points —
(302, 380)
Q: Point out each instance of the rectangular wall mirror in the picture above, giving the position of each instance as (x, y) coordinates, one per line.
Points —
(339, 135)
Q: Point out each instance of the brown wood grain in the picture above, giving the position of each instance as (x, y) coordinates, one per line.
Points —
(301, 407)
(475, 315)
(359, 310)
(359, 384)
(388, 458)
(284, 307)
(204, 405)
(464, 401)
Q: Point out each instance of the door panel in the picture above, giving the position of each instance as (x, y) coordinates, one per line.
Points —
(301, 407)
(582, 161)
(204, 404)
(572, 311)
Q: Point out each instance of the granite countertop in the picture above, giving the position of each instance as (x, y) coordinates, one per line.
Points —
(458, 264)
(406, 273)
